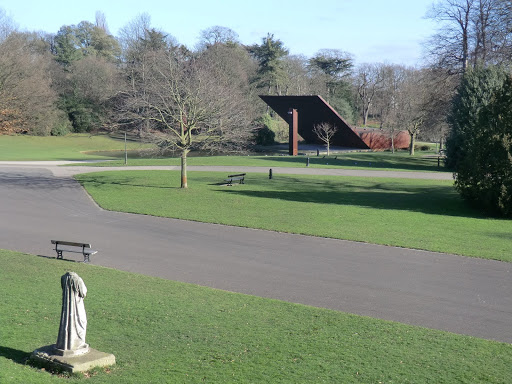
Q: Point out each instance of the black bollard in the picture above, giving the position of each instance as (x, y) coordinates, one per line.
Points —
(270, 173)
(307, 161)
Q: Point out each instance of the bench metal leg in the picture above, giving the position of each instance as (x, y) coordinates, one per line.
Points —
(86, 258)
(59, 254)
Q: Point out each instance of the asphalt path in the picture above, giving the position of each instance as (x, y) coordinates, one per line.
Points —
(39, 202)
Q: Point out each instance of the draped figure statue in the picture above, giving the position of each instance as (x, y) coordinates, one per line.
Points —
(73, 320)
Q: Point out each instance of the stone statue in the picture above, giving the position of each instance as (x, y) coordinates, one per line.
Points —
(72, 353)
(73, 320)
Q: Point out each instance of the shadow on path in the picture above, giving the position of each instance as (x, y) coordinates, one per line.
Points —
(34, 180)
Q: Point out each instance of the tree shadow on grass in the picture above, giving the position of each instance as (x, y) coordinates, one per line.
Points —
(434, 200)
(506, 236)
(97, 181)
(15, 355)
(365, 161)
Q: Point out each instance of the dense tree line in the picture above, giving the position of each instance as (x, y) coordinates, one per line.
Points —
(80, 78)
(86, 75)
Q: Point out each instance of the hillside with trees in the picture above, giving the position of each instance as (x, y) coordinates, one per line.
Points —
(82, 78)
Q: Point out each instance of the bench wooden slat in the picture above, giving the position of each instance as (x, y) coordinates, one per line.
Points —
(71, 243)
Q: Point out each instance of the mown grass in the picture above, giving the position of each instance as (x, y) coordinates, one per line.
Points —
(400, 161)
(168, 332)
(422, 214)
(93, 147)
(70, 147)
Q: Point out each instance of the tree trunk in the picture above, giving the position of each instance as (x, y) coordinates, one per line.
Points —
(328, 148)
(413, 140)
(184, 168)
(393, 141)
(365, 115)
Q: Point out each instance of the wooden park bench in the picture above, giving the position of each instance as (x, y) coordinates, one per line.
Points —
(70, 246)
(239, 177)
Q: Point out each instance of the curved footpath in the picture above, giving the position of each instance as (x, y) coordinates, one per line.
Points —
(464, 295)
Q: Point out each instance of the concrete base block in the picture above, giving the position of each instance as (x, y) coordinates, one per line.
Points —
(48, 356)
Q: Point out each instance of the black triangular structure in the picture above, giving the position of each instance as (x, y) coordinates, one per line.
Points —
(313, 110)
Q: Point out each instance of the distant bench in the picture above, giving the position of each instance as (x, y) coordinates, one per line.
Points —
(239, 177)
(70, 246)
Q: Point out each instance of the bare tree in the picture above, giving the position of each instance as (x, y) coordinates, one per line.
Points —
(439, 90)
(27, 101)
(369, 79)
(411, 111)
(450, 46)
(387, 99)
(298, 81)
(492, 24)
(101, 22)
(139, 42)
(325, 132)
(217, 35)
(471, 32)
(7, 25)
(133, 33)
(190, 106)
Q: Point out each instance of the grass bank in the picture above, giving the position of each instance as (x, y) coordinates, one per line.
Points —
(70, 147)
(167, 332)
(422, 214)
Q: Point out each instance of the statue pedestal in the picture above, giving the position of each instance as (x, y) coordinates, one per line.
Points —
(71, 362)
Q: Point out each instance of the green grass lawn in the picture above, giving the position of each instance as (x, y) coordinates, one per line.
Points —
(70, 147)
(400, 161)
(422, 214)
(167, 332)
(92, 147)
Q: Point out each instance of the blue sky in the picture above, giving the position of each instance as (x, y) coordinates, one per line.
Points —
(374, 31)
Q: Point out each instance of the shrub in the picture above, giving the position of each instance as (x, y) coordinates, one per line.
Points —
(422, 147)
(81, 113)
(475, 92)
(265, 136)
(62, 128)
(481, 145)
(275, 126)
